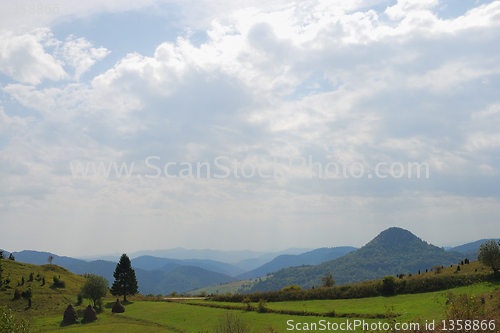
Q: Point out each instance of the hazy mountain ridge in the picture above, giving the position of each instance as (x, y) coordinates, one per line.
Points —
(245, 260)
(167, 264)
(313, 257)
(393, 251)
(470, 249)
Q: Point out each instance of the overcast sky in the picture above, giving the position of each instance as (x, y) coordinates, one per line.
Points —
(360, 88)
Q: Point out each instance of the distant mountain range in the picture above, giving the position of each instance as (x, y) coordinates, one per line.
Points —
(245, 260)
(393, 251)
(470, 249)
(314, 257)
(167, 265)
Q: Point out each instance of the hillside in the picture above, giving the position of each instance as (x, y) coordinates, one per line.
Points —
(393, 251)
(313, 257)
(46, 298)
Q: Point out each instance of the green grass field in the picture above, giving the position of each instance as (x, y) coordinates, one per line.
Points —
(150, 314)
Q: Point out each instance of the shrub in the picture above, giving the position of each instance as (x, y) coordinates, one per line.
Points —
(247, 301)
(58, 283)
(9, 324)
(231, 323)
(464, 307)
(389, 285)
(28, 294)
(437, 269)
(17, 294)
(262, 307)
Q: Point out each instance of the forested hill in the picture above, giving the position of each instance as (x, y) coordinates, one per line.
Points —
(392, 252)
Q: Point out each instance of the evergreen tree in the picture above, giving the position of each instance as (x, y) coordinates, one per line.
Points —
(1, 255)
(125, 281)
(11, 257)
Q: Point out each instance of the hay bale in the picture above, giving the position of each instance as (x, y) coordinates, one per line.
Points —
(70, 315)
(118, 307)
(89, 314)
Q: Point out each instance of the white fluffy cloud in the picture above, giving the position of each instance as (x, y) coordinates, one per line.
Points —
(338, 81)
(24, 59)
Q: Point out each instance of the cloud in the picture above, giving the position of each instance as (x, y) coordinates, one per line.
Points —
(342, 82)
(80, 54)
(405, 7)
(24, 59)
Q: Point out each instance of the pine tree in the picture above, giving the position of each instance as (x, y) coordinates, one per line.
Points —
(125, 281)
(11, 257)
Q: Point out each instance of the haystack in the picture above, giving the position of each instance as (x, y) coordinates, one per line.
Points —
(70, 315)
(89, 314)
(118, 307)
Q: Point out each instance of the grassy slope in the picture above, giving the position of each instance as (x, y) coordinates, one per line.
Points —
(46, 300)
(233, 287)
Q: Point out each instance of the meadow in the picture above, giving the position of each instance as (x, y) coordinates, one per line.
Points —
(156, 314)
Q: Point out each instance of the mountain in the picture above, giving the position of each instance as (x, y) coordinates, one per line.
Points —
(253, 263)
(185, 278)
(313, 257)
(244, 260)
(217, 255)
(393, 251)
(149, 281)
(470, 249)
(167, 265)
(40, 258)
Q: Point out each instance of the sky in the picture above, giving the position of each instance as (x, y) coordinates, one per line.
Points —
(247, 125)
